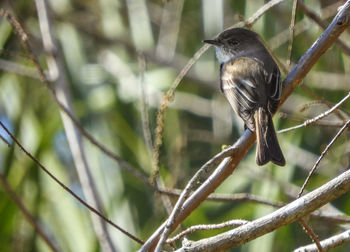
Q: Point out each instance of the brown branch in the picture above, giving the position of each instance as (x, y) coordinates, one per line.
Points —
(316, 118)
(294, 78)
(302, 222)
(308, 230)
(288, 214)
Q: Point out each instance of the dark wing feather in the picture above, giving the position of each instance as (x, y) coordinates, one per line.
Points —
(241, 85)
(274, 85)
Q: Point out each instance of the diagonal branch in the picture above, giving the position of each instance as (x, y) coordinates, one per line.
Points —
(312, 15)
(283, 216)
(324, 152)
(207, 227)
(319, 117)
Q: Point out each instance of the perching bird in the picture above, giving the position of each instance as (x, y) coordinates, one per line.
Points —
(250, 80)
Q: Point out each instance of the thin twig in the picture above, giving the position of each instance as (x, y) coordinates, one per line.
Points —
(325, 123)
(328, 243)
(246, 197)
(206, 227)
(308, 230)
(310, 104)
(310, 92)
(179, 203)
(324, 152)
(312, 15)
(66, 188)
(237, 197)
(166, 99)
(302, 26)
(320, 116)
(261, 11)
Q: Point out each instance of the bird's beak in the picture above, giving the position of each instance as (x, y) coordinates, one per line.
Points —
(212, 42)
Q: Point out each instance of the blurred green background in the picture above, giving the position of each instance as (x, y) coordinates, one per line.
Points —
(115, 51)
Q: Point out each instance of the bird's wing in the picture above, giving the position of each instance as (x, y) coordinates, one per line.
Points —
(247, 85)
(274, 85)
(241, 83)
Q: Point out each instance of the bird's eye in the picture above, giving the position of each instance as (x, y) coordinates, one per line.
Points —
(233, 42)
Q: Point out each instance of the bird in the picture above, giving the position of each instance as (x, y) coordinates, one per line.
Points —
(251, 81)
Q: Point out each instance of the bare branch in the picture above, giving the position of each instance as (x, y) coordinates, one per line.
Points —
(308, 230)
(207, 227)
(324, 152)
(281, 217)
(261, 11)
(320, 116)
(167, 98)
(303, 25)
(328, 243)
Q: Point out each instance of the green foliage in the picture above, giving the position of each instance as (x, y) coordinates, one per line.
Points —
(101, 43)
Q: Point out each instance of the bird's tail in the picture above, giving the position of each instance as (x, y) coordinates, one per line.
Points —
(268, 148)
